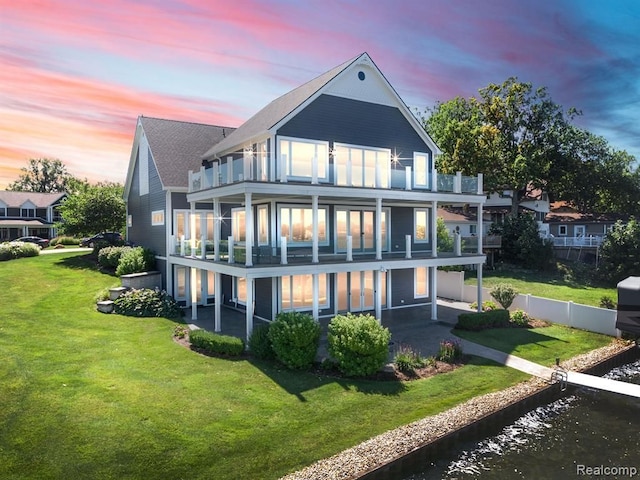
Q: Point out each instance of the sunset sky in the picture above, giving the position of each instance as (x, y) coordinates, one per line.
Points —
(75, 74)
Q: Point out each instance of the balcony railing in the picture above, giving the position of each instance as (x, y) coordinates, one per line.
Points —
(582, 241)
(240, 170)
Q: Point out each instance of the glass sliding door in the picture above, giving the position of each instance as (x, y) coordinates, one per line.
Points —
(360, 224)
(355, 291)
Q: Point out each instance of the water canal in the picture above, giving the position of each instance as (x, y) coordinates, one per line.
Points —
(590, 434)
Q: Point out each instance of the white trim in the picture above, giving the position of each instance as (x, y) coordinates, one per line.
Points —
(560, 230)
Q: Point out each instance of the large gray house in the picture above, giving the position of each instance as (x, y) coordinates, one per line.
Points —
(324, 201)
(25, 214)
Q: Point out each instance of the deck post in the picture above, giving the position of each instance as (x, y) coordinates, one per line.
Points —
(314, 218)
(378, 228)
(433, 292)
(248, 229)
(218, 299)
(250, 307)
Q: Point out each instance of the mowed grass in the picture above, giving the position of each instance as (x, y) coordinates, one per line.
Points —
(539, 345)
(555, 285)
(92, 396)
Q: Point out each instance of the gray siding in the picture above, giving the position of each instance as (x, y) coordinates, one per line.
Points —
(402, 289)
(263, 298)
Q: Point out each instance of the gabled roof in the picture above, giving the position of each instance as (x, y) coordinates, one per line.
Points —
(280, 110)
(40, 200)
(177, 147)
(563, 212)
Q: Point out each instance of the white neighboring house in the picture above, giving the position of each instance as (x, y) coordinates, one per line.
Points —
(498, 206)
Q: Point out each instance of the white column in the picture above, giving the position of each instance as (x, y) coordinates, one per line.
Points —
(192, 228)
(216, 229)
(216, 309)
(407, 246)
(378, 228)
(377, 284)
(349, 248)
(407, 174)
(434, 228)
(479, 231)
(248, 228)
(314, 219)
(479, 300)
(231, 249)
(434, 180)
(203, 246)
(229, 169)
(457, 185)
(250, 305)
(316, 294)
(457, 244)
(480, 184)
(182, 245)
(193, 283)
(433, 292)
(283, 250)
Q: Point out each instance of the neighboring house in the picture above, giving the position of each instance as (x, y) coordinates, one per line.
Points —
(569, 227)
(25, 214)
(463, 220)
(498, 206)
(325, 201)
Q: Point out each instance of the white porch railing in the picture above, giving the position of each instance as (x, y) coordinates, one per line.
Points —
(582, 241)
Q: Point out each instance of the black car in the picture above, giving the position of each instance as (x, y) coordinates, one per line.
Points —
(41, 242)
(112, 238)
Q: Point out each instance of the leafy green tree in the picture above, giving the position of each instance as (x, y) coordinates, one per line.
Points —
(511, 133)
(95, 208)
(43, 175)
(522, 244)
(620, 252)
(445, 241)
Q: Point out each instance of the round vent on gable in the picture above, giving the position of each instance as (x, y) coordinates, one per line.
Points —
(361, 75)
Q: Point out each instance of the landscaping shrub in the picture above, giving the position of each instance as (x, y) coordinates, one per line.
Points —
(259, 343)
(407, 359)
(136, 260)
(99, 245)
(64, 240)
(520, 318)
(487, 306)
(505, 294)
(450, 351)
(483, 320)
(147, 303)
(295, 337)
(109, 257)
(12, 250)
(215, 343)
(358, 343)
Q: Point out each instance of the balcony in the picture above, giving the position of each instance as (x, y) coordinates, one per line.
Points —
(581, 241)
(400, 178)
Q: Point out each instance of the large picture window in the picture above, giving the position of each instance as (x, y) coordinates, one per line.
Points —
(296, 223)
(297, 292)
(238, 226)
(421, 170)
(298, 157)
(362, 166)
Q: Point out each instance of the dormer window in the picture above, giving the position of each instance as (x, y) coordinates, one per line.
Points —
(28, 212)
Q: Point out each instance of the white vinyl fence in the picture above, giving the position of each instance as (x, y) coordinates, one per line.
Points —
(600, 320)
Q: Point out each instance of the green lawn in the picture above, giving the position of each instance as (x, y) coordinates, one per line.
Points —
(561, 285)
(540, 345)
(88, 395)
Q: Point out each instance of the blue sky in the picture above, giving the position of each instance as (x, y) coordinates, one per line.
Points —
(76, 74)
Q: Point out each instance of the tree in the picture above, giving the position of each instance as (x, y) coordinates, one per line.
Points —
(620, 252)
(522, 244)
(511, 133)
(96, 208)
(445, 241)
(43, 175)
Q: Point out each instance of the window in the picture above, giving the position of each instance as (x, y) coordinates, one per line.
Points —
(296, 223)
(129, 221)
(3, 211)
(238, 225)
(298, 157)
(263, 225)
(421, 170)
(562, 229)
(181, 282)
(473, 229)
(297, 292)
(28, 212)
(362, 166)
(421, 230)
(157, 217)
(240, 290)
(421, 282)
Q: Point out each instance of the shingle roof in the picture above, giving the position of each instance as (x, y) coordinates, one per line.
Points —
(40, 200)
(563, 212)
(275, 111)
(177, 147)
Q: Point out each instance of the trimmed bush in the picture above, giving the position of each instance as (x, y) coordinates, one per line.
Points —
(109, 257)
(505, 294)
(145, 302)
(136, 260)
(259, 343)
(295, 337)
(215, 343)
(450, 351)
(359, 344)
(483, 320)
(487, 306)
(520, 318)
(64, 241)
(13, 250)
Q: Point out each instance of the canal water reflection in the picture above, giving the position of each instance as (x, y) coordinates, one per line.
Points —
(589, 430)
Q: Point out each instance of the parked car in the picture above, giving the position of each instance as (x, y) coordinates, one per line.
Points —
(41, 242)
(112, 238)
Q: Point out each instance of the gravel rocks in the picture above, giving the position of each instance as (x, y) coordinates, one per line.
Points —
(395, 443)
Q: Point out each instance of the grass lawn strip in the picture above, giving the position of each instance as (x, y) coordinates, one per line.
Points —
(86, 395)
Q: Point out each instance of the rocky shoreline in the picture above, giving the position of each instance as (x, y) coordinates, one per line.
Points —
(393, 444)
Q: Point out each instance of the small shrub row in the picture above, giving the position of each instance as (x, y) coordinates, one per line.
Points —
(407, 360)
(483, 320)
(215, 343)
(487, 306)
(450, 351)
(13, 250)
(109, 257)
(145, 302)
(64, 240)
